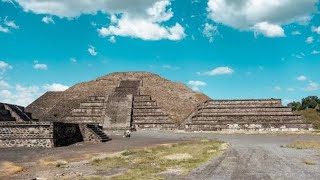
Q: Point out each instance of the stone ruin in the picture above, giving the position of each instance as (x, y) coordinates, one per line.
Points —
(139, 100)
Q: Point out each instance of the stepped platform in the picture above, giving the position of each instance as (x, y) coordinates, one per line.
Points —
(147, 114)
(251, 114)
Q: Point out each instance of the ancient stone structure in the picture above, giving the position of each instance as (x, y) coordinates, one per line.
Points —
(18, 129)
(249, 114)
(119, 101)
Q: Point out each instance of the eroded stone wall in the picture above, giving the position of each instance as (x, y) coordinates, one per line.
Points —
(26, 134)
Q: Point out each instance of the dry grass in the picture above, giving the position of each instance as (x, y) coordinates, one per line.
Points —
(9, 168)
(309, 162)
(311, 116)
(150, 163)
(56, 163)
(304, 145)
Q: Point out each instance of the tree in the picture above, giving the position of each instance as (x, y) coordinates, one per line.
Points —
(310, 102)
(295, 106)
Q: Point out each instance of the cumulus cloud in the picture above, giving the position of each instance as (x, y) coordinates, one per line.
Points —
(309, 40)
(210, 31)
(296, 33)
(40, 66)
(47, 20)
(135, 18)
(4, 67)
(315, 52)
(195, 85)
(55, 87)
(92, 50)
(4, 84)
(10, 24)
(220, 71)
(301, 78)
(315, 29)
(4, 29)
(112, 39)
(24, 95)
(268, 30)
(249, 14)
(312, 86)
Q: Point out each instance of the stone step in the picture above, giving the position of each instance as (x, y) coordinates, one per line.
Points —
(248, 121)
(148, 114)
(147, 110)
(268, 102)
(149, 117)
(156, 126)
(243, 106)
(144, 103)
(245, 113)
(247, 109)
(245, 117)
(84, 119)
(102, 136)
(7, 118)
(153, 121)
(242, 126)
(92, 104)
(142, 98)
(88, 111)
(4, 112)
(96, 98)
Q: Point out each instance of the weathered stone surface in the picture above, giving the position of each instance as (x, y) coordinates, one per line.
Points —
(260, 114)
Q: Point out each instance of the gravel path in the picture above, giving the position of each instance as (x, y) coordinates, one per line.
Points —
(249, 156)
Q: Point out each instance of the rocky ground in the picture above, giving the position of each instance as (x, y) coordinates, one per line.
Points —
(250, 156)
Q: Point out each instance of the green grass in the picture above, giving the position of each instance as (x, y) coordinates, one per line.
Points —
(147, 163)
(304, 145)
(311, 116)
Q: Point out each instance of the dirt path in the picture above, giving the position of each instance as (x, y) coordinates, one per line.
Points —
(261, 157)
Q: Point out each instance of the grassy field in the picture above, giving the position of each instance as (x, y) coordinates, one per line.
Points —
(311, 116)
(150, 163)
(304, 145)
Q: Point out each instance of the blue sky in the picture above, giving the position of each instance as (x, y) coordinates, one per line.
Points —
(223, 48)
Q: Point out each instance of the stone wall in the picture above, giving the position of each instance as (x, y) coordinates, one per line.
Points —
(88, 134)
(66, 134)
(26, 134)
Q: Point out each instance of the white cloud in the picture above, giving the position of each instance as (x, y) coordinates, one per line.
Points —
(4, 29)
(299, 56)
(296, 33)
(277, 88)
(135, 18)
(220, 71)
(268, 30)
(47, 20)
(10, 24)
(92, 50)
(195, 85)
(301, 78)
(166, 66)
(4, 67)
(4, 84)
(40, 66)
(247, 15)
(309, 40)
(315, 29)
(315, 52)
(146, 27)
(210, 31)
(55, 87)
(24, 95)
(112, 39)
(312, 86)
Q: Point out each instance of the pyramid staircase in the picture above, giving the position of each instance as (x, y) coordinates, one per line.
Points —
(251, 114)
(147, 114)
(10, 112)
(98, 131)
(90, 111)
